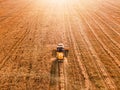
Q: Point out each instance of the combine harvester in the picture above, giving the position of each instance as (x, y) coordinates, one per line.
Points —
(60, 52)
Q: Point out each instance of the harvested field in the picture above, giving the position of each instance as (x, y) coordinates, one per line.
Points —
(31, 29)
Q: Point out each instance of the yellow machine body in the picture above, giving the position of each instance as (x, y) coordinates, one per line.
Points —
(60, 55)
(60, 52)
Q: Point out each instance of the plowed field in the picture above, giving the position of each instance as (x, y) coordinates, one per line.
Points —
(31, 29)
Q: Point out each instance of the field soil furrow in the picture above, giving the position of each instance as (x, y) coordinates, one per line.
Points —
(112, 5)
(100, 85)
(108, 80)
(109, 20)
(14, 11)
(18, 17)
(113, 44)
(112, 55)
(113, 13)
(31, 29)
(107, 25)
(75, 45)
(116, 60)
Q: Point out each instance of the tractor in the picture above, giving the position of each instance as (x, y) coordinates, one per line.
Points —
(60, 52)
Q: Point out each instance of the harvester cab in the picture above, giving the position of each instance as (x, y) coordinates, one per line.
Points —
(60, 52)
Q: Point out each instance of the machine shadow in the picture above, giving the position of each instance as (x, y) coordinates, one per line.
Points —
(54, 76)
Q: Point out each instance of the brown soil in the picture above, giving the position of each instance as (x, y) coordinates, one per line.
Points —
(31, 29)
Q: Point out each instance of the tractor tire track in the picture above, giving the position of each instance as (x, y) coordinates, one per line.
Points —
(108, 4)
(12, 50)
(61, 76)
(116, 45)
(16, 44)
(108, 80)
(15, 32)
(75, 47)
(104, 46)
(91, 56)
(102, 29)
(73, 73)
(113, 13)
(18, 11)
(109, 19)
(108, 25)
(7, 32)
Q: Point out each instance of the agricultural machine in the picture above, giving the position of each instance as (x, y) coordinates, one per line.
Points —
(60, 52)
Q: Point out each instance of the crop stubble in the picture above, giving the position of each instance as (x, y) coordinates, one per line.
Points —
(29, 30)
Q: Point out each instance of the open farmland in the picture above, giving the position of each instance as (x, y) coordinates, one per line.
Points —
(31, 29)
